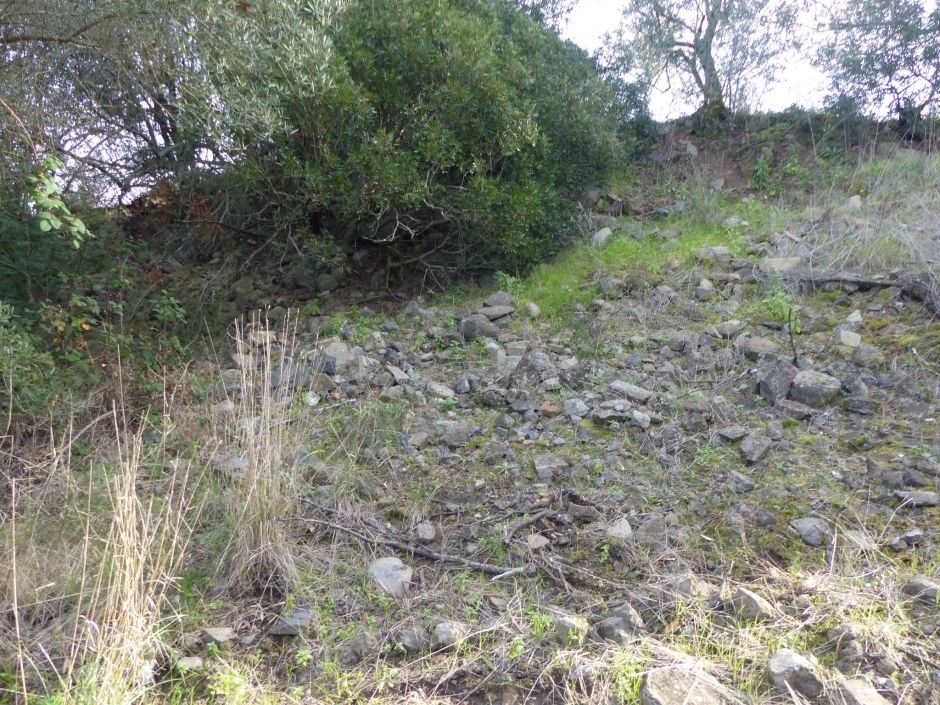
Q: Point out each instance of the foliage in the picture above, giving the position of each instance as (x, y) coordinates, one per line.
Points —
(51, 211)
(716, 49)
(884, 55)
(420, 117)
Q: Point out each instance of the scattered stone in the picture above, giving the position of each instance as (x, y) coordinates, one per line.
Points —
(601, 236)
(683, 686)
(571, 631)
(739, 482)
(532, 310)
(391, 575)
(550, 410)
(848, 338)
(755, 447)
(188, 664)
(522, 401)
(292, 624)
(478, 326)
(620, 530)
(412, 639)
(919, 499)
(583, 512)
(357, 648)
(814, 388)
(754, 347)
(576, 407)
(923, 589)
(751, 606)
(857, 691)
(651, 531)
(223, 637)
(500, 298)
(780, 264)
(425, 532)
(447, 634)
(494, 313)
(813, 531)
(793, 410)
(549, 466)
(632, 618)
(788, 668)
(732, 433)
(610, 287)
(615, 629)
(440, 391)
(631, 391)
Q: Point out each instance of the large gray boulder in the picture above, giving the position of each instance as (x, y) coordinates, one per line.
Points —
(814, 388)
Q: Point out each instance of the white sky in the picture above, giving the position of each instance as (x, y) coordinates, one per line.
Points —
(799, 83)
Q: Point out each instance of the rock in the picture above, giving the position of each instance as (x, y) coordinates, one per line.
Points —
(440, 391)
(534, 367)
(814, 388)
(412, 639)
(754, 347)
(425, 532)
(575, 376)
(322, 383)
(223, 637)
(923, 589)
(522, 401)
(728, 329)
(869, 356)
(357, 648)
(500, 298)
(576, 407)
(391, 575)
(292, 624)
(583, 512)
(190, 664)
(793, 410)
(857, 691)
(550, 410)
(610, 287)
(843, 634)
(919, 499)
(494, 313)
(751, 606)
(788, 668)
(683, 686)
(755, 447)
(326, 282)
(478, 326)
(774, 380)
(651, 531)
(620, 530)
(447, 634)
(601, 236)
(775, 429)
(640, 419)
(615, 629)
(339, 354)
(732, 433)
(571, 631)
(549, 466)
(456, 436)
(632, 618)
(780, 264)
(532, 310)
(739, 482)
(813, 531)
(631, 391)
(848, 338)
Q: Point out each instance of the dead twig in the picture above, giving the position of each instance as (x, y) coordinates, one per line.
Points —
(413, 550)
(524, 523)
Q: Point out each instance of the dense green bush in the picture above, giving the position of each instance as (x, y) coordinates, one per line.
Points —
(460, 117)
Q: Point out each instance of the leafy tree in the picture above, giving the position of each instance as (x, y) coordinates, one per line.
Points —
(415, 119)
(715, 49)
(885, 54)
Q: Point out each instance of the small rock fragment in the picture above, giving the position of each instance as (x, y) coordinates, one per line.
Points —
(788, 668)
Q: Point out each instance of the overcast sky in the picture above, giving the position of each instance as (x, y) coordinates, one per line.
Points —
(799, 83)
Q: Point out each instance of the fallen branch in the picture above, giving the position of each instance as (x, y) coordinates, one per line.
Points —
(916, 289)
(413, 550)
(524, 523)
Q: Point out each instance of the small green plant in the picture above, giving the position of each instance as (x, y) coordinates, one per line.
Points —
(336, 324)
(303, 657)
(53, 214)
(760, 175)
(507, 282)
(517, 648)
(167, 310)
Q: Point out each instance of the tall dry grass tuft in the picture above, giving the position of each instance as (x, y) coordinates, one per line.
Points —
(264, 489)
(88, 596)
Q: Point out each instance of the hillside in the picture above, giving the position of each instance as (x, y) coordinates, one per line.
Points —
(695, 456)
